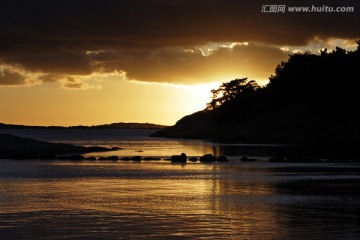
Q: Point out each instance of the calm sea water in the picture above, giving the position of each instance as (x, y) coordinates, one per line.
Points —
(135, 142)
(160, 200)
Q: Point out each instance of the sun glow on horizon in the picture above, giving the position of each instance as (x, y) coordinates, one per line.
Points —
(119, 100)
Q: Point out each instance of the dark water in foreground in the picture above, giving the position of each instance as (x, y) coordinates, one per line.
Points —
(160, 200)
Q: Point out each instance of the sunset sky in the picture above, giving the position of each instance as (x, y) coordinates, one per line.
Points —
(96, 62)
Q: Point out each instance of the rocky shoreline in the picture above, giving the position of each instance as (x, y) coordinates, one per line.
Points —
(14, 147)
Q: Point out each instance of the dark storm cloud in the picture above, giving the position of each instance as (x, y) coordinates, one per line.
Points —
(154, 23)
(60, 37)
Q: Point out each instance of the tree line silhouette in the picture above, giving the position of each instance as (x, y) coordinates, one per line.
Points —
(327, 84)
(310, 97)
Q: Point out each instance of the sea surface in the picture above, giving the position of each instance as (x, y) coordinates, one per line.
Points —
(135, 142)
(161, 200)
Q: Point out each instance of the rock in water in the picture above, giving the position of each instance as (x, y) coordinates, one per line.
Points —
(208, 158)
(179, 158)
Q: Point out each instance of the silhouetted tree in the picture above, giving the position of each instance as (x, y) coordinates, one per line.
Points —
(231, 90)
(310, 97)
(326, 84)
(329, 83)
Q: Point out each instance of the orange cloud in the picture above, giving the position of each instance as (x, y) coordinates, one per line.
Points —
(176, 65)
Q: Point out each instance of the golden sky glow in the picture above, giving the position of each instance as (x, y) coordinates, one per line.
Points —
(154, 62)
(106, 97)
(116, 101)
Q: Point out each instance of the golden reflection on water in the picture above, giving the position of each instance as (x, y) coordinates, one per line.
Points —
(160, 200)
(245, 202)
(159, 148)
(175, 196)
(191, 194)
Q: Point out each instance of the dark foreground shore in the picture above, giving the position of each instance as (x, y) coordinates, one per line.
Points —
(14, 147)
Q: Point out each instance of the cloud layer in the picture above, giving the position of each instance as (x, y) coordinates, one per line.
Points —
(155, 40)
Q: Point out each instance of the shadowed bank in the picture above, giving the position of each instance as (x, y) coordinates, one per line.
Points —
(310, 99)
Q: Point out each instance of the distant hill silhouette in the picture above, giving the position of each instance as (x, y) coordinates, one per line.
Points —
(310, 98)
(120, 125)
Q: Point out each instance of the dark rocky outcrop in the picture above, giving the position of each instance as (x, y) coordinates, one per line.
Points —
(197, 125)
(179, 158)
(13, 147)
(207, 158)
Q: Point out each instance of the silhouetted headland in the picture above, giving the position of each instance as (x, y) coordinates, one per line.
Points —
(310, 99)
(13, 147)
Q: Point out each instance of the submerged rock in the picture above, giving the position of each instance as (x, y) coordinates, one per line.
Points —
(179, 158)
(208, 158)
